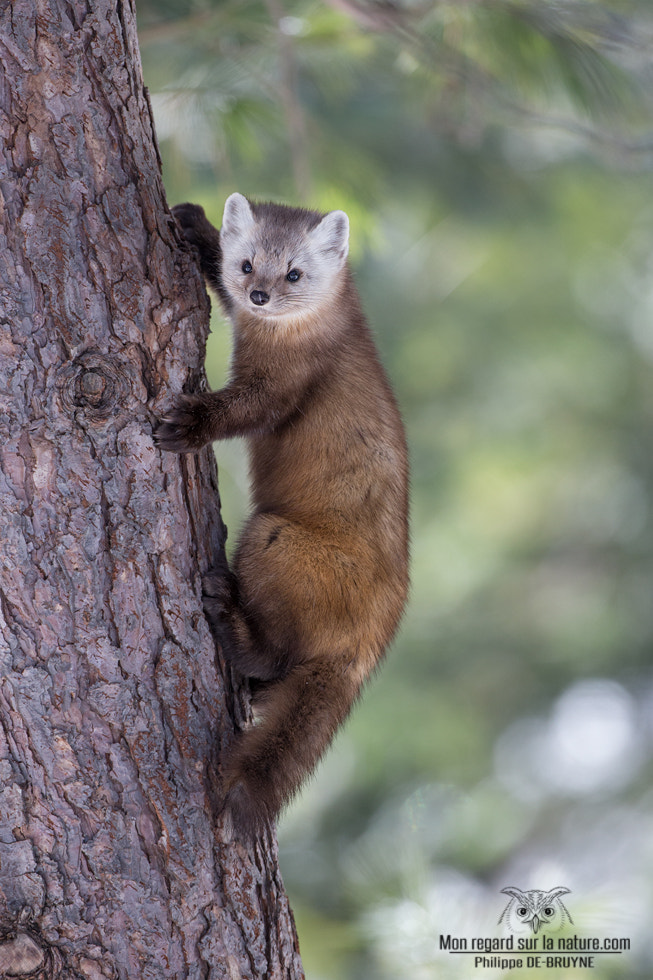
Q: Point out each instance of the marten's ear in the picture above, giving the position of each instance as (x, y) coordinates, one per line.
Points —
(237, 217)
(332, 235)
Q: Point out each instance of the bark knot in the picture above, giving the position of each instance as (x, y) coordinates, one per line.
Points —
(94, 383)
(92, 387)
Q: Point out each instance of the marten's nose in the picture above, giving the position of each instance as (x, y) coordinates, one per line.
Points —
(258, 297)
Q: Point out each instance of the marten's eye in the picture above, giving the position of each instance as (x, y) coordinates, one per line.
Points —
(294, 275)
(246, 267)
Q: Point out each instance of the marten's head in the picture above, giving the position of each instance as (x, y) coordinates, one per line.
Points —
(281, 262)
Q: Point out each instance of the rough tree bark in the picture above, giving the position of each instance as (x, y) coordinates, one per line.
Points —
(113, 702)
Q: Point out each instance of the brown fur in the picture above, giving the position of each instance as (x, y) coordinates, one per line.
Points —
(319, 577)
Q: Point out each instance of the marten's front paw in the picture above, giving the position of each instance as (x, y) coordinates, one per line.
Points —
(193, 224)
(184, 428)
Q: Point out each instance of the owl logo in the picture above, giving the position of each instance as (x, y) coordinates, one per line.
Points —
(529, 912)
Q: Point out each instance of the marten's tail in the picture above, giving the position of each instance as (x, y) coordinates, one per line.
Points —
(268, 762)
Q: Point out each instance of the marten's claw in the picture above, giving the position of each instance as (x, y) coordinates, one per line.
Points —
(181, 429)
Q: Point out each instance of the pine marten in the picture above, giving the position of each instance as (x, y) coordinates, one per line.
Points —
(320, 573)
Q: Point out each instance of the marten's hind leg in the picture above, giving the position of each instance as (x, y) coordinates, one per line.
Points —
(267, 763)
(243, 649)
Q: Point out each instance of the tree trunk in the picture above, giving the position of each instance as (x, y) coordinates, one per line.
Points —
(113, 703)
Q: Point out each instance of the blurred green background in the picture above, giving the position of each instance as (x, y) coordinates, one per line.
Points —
(495, 160)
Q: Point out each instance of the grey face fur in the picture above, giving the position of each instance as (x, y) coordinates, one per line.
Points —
(263, 243)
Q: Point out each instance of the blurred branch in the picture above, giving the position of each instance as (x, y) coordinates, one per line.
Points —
(578, 35)
(381, 16)
(594, 135)
(292, 107)
(172, 29)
